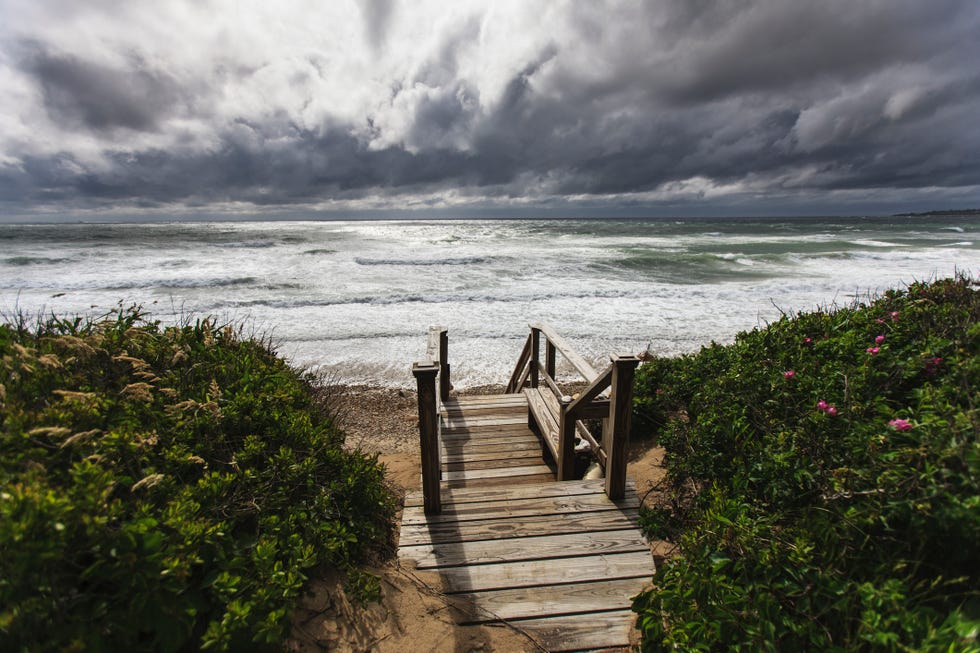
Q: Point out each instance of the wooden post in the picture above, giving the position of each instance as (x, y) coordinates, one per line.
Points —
(425, 377)
(535, 355)
(566, 442)
(620, 416)
(549, 358)
(444, 383)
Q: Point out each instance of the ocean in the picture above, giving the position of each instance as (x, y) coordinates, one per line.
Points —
(355, 298)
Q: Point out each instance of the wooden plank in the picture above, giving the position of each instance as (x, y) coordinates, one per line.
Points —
(504, 396)
(566, 488)
(551, 601)
(493, 420)
(452, 512)
(433, 556)
(474, 454)
(598, 630)
(533, 573)
(493, 529)
(514, 401)
(496, 473)
(456, 453)
(449, 435)
(499, 481)
(498, 462)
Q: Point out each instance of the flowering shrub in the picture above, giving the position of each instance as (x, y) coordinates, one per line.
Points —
(839, 512)
(167, 489)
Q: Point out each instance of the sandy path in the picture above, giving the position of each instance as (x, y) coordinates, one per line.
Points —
(412, 614)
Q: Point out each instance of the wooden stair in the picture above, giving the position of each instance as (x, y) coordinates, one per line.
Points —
(559, 561)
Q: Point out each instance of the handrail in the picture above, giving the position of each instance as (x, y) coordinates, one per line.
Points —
(426, 373)
(609, 396)
(581, 365)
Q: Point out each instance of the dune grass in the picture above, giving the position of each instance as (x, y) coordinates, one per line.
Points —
(168, 488)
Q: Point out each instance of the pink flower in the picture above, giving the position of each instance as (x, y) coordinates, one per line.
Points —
(880, 339)
(932, 365)
(879, 320)
(900, 424)
(789, 374)
(873, 350)
(894, 315)
(807, 341)
(827, 408)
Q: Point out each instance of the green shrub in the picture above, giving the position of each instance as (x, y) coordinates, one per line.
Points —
(167, 489)
(829, 467)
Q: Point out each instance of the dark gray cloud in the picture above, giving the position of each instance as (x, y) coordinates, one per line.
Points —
(97, 97)
(661, 107)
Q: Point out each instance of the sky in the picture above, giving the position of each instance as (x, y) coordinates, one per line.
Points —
(497, 108)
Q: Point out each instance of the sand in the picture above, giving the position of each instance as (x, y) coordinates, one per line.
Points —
(413, 615)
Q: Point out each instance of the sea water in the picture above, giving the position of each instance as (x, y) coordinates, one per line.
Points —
(355, 298)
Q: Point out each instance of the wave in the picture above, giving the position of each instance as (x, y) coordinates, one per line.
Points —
(463, 260)
(686, 268)
(183, 283)
(248, 244)
(315, 252)
(18, 261)
(435, 298)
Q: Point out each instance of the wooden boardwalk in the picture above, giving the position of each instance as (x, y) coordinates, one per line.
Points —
(558, 560)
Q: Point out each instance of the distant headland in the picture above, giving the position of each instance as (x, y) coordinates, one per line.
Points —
(938, 213)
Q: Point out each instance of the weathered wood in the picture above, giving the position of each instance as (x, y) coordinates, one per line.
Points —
(425, 376)
(551, 601)
(541, 414)
(500, 472)
(620, 414)
(531, 451)
(433, 556)
(480, 433)
(531, 573)
(454, 452)
(549, 359)
(560, 560)
(498, 463)
(515, 384)
(569, 488)
(437, 350)
(575, 504)
(489, 529)
(499, 481)
(576, 632)
(535, 355)
(581, 365)
(566, 442)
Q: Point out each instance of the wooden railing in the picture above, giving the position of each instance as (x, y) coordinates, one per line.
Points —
(607, 397)
(428, 374)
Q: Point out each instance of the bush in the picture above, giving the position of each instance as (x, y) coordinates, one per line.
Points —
(830, 467)
(167, 489)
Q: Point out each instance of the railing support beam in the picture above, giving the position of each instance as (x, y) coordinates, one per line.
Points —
(425, 378)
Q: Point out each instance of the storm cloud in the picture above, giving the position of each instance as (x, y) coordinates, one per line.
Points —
(664, 107)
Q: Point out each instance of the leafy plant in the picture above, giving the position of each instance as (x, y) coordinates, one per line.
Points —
(835, 464)
(167, 488)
